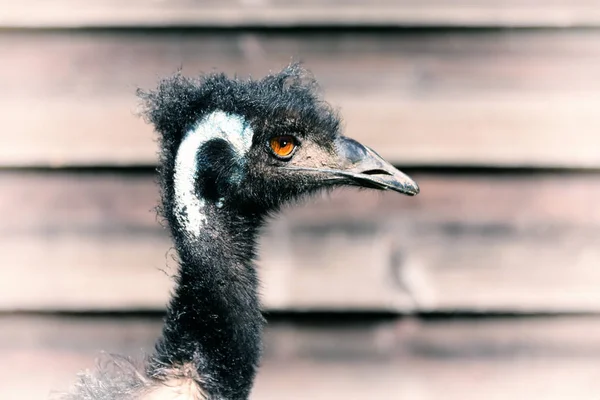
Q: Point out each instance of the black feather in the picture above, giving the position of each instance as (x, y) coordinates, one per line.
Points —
(213, 323)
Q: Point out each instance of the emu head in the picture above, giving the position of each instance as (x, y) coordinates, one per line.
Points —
(249, 146)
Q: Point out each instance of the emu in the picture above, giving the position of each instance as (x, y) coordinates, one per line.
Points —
(232, 152)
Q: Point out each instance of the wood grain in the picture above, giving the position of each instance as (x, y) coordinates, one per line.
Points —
(518, 243)
(286, 13)
(553, 358)
(497, 98)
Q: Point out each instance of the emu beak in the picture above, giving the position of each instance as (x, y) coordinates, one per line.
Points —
(366, 168)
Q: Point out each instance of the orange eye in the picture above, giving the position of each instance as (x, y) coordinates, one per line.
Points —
(283, 146)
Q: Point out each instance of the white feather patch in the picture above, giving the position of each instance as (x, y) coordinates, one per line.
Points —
(189, 207)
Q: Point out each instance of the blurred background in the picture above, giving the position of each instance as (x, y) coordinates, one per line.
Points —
(485, 286)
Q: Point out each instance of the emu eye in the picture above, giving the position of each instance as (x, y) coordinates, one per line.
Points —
(283, 146)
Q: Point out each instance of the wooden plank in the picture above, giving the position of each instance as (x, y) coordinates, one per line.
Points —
(518, 243)
(286, 13)
(524, 358)
(496, 98)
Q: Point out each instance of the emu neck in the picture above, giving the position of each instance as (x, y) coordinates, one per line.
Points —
(214, 321)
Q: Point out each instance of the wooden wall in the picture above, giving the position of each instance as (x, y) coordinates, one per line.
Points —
(492, 105)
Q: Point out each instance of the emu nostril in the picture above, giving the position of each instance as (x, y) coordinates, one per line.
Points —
(376, 172)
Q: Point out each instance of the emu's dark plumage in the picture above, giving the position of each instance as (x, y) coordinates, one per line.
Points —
(211, 341)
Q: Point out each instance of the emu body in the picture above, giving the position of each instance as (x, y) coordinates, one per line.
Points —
(232, 152)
